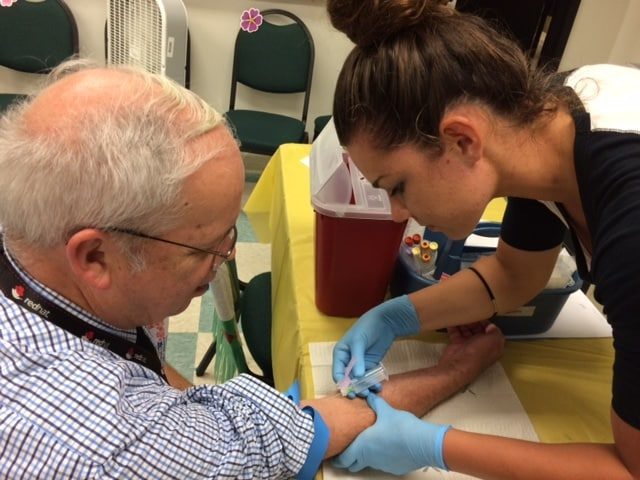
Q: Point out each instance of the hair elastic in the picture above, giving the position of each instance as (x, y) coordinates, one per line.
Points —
(488, 289)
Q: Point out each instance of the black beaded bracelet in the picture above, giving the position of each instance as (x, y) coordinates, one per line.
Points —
(488, 289)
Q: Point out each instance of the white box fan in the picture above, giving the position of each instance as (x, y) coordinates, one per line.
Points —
(151, 34)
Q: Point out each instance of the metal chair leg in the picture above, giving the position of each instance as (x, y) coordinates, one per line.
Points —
(206, 359)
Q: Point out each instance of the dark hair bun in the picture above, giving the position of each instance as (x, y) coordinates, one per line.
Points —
(371, 22)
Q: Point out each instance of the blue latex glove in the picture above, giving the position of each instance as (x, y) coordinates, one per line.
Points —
(293, 392)
(397, 443)
(371, 336)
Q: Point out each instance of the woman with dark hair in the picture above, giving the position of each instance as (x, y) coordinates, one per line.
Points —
(446, 114)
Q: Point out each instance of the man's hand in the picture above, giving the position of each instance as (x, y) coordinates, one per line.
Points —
(472, 348)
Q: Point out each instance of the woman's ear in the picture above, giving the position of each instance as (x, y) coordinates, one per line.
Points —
(462, 134)
(88, 258)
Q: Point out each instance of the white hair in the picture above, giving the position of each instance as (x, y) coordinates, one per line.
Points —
(123, 165)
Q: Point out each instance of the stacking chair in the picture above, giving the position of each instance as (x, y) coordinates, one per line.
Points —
(276, 59)
(249, 304)
(34, 38)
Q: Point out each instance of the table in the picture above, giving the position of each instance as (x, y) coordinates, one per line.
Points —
(563, 384)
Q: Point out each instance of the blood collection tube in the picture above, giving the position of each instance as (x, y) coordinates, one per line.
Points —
(407, 245)
(433, 251)
(417, 262)
(427, 266)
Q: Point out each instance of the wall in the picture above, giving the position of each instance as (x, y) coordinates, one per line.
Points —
(627, 46)
(604, 31)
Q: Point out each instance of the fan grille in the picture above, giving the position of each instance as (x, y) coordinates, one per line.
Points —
(136, 33)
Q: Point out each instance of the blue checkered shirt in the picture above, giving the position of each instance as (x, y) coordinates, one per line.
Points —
(70, 409)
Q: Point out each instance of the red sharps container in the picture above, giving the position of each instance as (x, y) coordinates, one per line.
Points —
(356, 241)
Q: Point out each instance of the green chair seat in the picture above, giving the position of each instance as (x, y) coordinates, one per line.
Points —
(262, 132)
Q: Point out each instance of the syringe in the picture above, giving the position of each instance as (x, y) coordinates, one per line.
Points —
(357, 385)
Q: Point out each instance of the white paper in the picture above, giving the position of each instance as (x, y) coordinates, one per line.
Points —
(325, 163)
(489, 405)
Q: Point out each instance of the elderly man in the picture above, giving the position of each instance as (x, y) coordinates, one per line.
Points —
(119, 192)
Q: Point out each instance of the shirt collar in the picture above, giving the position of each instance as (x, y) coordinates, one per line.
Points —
(66, 304)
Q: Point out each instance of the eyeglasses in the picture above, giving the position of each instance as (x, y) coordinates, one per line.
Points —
(228, 244)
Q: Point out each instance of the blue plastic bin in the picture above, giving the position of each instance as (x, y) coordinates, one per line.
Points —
(537, 316)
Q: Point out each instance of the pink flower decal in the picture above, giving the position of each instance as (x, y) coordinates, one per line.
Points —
(250, 20)
(7, 3)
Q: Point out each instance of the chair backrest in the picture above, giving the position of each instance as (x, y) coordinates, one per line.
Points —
(277, 58)
(527, 19)
(37, 36)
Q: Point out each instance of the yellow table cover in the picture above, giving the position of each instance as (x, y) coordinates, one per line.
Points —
(563, 384)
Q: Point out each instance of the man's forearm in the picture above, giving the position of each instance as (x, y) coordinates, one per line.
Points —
(417, 391)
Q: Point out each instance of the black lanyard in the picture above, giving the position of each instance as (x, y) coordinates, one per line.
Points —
(142, 351)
